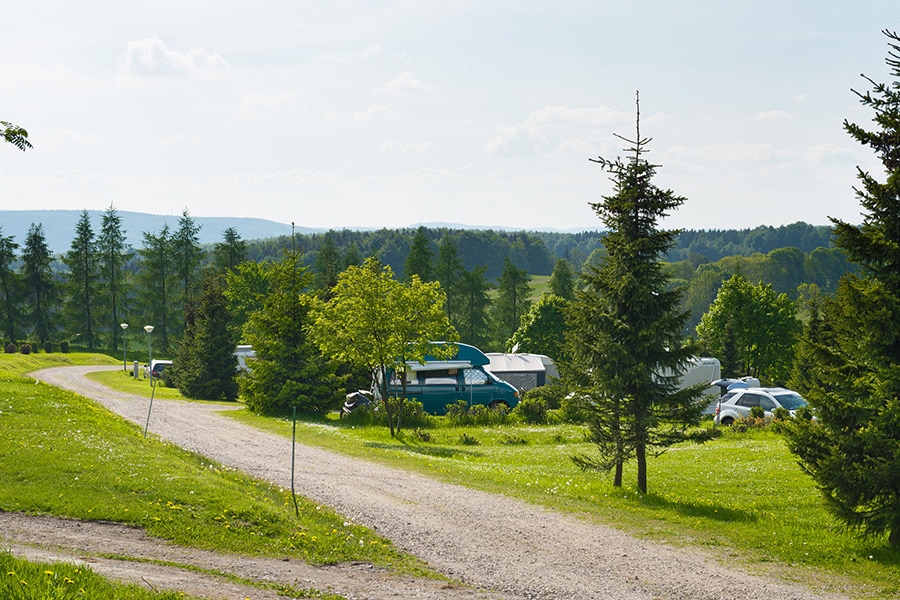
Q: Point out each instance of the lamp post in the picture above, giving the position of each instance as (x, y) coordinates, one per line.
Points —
(124, 327)
(149, 330)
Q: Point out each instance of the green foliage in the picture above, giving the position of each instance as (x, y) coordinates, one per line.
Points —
(157, 284)
(420, 257)
(624, 330)
(112, 254)
(513, 300)
(752, 329)
(852, 448)
(14, 135)
(205, 366)
(10, 287)
(23, 580)
(376, 322)
(81, 283)
(562, 280)
(532, 409)
(41, 289)
(542, 329)
(230, 252)
(474, 302)
(461, 414)
(288, 371)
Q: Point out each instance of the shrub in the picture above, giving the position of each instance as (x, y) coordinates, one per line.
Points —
(423, 436)
(468, 440)
(757, 412)
(460, 414)
(574, 408)
(512, 439)
(781, 414)
(48, 347)
(11, 348)
(64, 347)
(532, 409)
(25, 348)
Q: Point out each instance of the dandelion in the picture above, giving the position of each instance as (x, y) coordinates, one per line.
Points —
(50, 573)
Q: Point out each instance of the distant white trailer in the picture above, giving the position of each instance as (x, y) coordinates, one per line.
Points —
(523, 370)
(243, 352)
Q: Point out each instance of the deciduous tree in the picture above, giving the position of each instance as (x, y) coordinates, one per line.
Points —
(381, 324)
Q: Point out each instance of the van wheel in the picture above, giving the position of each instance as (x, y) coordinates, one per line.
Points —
(497, 404)
(727, 421)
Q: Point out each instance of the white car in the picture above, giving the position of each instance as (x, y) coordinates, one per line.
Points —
(737, 403)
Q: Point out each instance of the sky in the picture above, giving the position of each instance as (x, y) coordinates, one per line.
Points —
(393, 113)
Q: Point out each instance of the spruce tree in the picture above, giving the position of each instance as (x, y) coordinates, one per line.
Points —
(852, 447)
(420, 259)
(625, 329)
(112, 249)
(205, 365)
(41, 290)
(82, 281)
(10, 287)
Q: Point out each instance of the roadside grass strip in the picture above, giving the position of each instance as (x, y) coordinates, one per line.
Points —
(64, 455)
(742, 497)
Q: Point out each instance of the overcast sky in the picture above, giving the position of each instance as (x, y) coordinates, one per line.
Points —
(394, 113)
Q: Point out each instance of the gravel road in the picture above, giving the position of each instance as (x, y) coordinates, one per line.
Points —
(498, 547)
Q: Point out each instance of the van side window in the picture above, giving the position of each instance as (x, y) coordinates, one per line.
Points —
(476, 377)
(440, 377)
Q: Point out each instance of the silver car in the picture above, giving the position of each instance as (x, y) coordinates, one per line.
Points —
(737, 403)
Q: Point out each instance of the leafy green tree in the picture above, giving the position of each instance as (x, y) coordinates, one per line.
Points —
(112, 255)
(230, 252)
(513, 300)
(10, 286)
(562, 280)
(543, 328)
(852, 447)
(288, 371)
(41, 291)
(378, 323)
(448, 270)
(156, 284)
(205, 365)
(760, 323)
(473, 317)
(624, 338)
(420, 259)
(246, 288)
(15, 135)
(81, 282)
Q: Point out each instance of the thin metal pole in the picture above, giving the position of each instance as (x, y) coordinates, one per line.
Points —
(293, 452)
(152, 392)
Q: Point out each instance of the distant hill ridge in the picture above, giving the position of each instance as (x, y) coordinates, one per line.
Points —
(59, 226)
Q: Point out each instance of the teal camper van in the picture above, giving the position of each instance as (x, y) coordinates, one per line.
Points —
(437, 383)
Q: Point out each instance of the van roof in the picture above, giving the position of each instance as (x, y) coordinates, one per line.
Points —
(465, 354)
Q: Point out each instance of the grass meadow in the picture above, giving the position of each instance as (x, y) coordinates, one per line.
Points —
(742, 497)
(66, 456)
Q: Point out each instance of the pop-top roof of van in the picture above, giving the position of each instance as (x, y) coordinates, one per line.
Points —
(466, 355)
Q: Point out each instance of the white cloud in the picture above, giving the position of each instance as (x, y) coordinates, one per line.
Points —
(257, 103)
(772, 115)
(151, 57)
(407, 147)
(376, 112)
(179, 139)
(351, 57)
(404, 83)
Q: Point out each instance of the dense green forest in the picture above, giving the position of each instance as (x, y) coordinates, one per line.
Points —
(83, 294)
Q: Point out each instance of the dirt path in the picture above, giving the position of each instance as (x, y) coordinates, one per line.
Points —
(513, 550)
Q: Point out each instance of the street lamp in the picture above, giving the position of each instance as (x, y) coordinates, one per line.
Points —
(124, 327)
(149, 330)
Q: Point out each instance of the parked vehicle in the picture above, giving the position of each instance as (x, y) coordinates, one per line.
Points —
(736, 404)
(437, 383)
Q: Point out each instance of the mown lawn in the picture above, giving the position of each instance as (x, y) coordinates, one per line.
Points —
(742, 496)
(64, 455)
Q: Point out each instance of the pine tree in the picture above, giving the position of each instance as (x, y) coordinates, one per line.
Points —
(37, 277)
(157, 283)
(82, 282)
(230, 252)
(562, 280)
(10, 286)
(327, 265)
(420, 258)
(513, 301)
(852, 447)
(205, 365)
(473, 320)
(111, 248)
(624, 339)
(448, 270)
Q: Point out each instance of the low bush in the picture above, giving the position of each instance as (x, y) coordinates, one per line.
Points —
(25, 349)
(48, 347)
(10, 348)
(460, 414)
(64, 347)
(532, 409)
